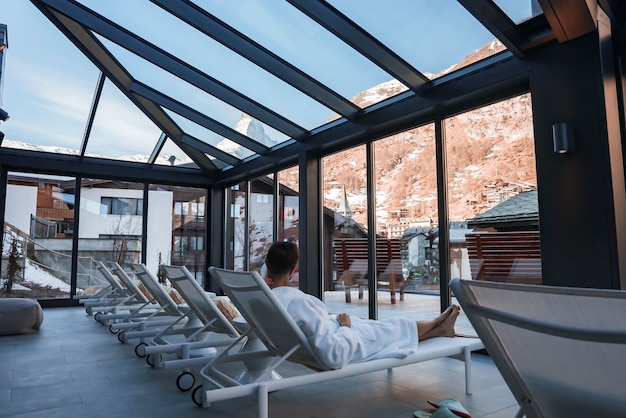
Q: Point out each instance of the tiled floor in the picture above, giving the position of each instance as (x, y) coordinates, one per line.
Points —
(75, 367)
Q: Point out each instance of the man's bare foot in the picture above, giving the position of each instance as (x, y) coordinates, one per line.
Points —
(445, 314)
(447, 326)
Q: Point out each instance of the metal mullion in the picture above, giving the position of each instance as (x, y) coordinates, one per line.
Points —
(92, 112)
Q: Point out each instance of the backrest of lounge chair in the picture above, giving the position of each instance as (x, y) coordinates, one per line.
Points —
(152, 284)
(560, 350)
(198, 300)
(266, 315)
(119, 272)
(113, 280)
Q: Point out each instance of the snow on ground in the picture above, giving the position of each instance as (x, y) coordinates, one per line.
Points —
(35, 274)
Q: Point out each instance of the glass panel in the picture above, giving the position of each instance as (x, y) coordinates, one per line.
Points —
(120, 122)
(294, 37)
(179, 230)
(289, 222)
(214, 59)
(406, 222)
(191, 96)
(492, 182)
(110, 235)
(210, 137)
(38, 231)
(412, 29)
(236, 221)
(47, 90)
(345, 198)
(261, 217)
(519, 11)
(171, 154)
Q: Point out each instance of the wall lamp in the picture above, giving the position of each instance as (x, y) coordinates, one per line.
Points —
(563, 138)
(4, 116)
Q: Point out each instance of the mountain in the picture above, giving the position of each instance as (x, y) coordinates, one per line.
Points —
(252, 128)
(490, 156)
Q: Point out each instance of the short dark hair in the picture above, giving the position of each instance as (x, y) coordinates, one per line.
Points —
(281, 258)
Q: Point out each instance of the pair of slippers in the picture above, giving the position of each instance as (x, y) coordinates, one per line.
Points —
(446, 408)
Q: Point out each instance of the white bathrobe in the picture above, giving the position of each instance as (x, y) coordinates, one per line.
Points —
(336, 345)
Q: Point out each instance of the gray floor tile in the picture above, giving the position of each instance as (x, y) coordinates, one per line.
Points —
(76, 367)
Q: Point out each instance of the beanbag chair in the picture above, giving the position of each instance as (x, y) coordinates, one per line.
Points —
(20, 316)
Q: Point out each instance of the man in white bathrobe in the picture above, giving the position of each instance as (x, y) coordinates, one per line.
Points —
(340, 339)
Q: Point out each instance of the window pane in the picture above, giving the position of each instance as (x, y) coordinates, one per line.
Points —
(187, 228)
(345, 192)
(406, 220)
(113, 237)
(261, 216)
(38, 231)
(492, 188)
(236, 236)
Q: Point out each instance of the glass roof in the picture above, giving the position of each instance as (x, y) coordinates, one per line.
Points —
(212, 84)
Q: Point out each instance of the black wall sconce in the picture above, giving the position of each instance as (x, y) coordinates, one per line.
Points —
(563, 137)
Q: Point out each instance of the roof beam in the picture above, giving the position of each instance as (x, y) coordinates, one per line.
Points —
(210, 149)
(63, 164)
(352, 34)
(210, 25)
(497, 22)
(197, 117)
(163, 59)
(157, 148)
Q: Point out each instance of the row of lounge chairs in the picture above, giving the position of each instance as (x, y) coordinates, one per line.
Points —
(560, 350)
(235, 359)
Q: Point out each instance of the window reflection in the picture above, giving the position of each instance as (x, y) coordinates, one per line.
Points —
(38, 231)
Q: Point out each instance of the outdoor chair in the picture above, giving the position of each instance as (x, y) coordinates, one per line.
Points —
(560, 350)
(196, 345)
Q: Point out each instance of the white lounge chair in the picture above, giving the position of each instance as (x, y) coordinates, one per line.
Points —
(285, 341)
(138, 321)
(119, 297)
(143, 307)
(191, 346)
(167, 314)
(560, 350)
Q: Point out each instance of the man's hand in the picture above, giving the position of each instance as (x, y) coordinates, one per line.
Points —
(344, 320)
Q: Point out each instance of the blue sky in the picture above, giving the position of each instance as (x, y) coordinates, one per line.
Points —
(49, 84)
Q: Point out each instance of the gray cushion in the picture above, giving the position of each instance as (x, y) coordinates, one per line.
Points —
(20, 316)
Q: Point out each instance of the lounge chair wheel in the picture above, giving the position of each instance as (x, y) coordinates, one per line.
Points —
(88, 310)
(120, 337)
(153, 359)
(111, 330)
(185, 381)
(97, 316)
(140, 350)
(196, 395)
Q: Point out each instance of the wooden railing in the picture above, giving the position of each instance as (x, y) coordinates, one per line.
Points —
(513, 257)
(351, 260)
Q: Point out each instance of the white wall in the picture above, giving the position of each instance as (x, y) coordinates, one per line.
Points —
(21, 203)
(159, 233)
(159, 228)
(92, 223)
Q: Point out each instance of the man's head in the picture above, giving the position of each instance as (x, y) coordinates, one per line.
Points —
(281, 260)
